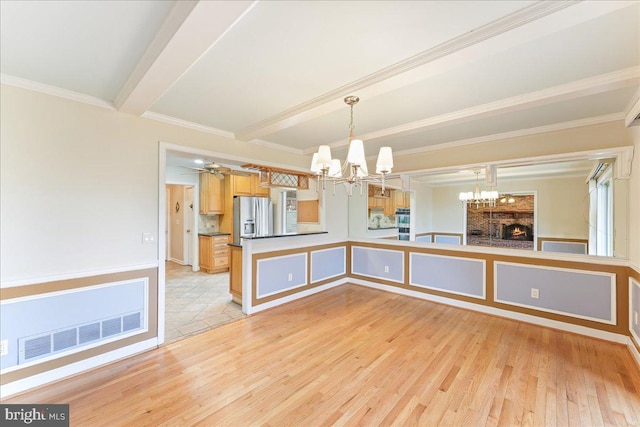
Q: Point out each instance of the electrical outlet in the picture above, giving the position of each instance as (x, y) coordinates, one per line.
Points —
(148, 238)
(635, 318)
(386, 268)
(535, 293)
(4, 347)
(290, 277)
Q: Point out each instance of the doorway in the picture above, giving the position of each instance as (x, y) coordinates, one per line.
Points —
(190, 301)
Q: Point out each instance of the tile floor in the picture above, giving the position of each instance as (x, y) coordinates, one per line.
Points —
(196, 302)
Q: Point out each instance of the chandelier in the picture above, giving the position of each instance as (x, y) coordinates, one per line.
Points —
(354, 169)
(484, 198)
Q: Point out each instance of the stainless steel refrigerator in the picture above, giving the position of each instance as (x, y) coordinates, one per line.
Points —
(252, 217)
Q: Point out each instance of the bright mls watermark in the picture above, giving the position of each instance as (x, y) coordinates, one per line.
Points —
(34, 415)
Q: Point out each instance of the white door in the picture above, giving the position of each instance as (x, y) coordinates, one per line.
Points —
(188, 225)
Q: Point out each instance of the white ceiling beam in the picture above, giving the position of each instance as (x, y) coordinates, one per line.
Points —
(190, 29)
(603, 83)
(527, 24)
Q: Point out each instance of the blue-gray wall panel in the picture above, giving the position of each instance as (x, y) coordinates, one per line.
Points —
(449, 274)
(565, 247)
(36, 316)
(371, 262)
(273, 274)
(450, 240)
(583, 294)
(423, 239)
(328, 263)
(635, 307)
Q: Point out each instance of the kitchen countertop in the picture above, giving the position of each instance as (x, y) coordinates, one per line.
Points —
(213, 234)
(381, 228)
(279, 235)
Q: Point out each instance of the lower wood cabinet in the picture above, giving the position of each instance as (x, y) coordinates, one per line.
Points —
(235, 274)
(214, 253)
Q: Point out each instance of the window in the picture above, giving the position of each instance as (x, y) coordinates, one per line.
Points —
(601, 211)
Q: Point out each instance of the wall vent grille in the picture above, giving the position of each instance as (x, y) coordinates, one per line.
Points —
(52, 342)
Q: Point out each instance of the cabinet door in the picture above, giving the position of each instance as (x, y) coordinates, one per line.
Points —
(216, 195)
(204, 194)
(389, 206)
(399, 198)
(205, 252)
(256, 189)
(235, 274)
(241, 185)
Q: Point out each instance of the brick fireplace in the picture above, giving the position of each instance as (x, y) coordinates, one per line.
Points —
(507, 224)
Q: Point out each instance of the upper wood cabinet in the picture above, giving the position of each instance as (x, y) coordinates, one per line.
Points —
(241, 185)
(402, 199)
(256, 189)
(211, 194)
(249, 186)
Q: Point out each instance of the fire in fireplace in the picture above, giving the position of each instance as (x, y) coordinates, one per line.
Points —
(517, 232)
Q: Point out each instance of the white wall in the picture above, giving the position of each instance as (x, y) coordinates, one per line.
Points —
(423, 214)
(79, 184)
(563, 206)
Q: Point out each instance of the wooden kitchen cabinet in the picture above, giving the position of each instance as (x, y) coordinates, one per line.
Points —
(214, 253)
(211, 195)
(241, 185)
(402, 199)
(249, 186)
(256, 189)
(235, 273)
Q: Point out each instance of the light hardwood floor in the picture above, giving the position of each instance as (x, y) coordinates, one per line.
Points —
(357, 356)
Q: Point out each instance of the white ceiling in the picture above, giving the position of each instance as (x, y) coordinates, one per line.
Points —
(427, 72)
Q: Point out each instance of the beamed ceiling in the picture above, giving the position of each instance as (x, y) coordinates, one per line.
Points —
(428, 73)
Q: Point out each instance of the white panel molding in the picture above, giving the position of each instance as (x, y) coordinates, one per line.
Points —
(55, 91)
(188, 32)
(305, 293)
(511, 315)
(512, 134)
(378, 277)
(484, 275)
(75, 368)
(612, 291)
(77, 275)
(578, 89)
(344, 265)
(524, 25)
(186, 124)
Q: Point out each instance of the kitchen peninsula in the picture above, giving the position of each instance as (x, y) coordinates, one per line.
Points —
(235, 262)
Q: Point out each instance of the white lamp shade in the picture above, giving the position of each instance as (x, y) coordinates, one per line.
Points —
(315, 167)
(385, 160)
(356, 152)
(466, 196)
(363, 172)
(335, 170)
(324, 156)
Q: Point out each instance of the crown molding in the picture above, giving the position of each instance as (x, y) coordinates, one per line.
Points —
(55, 91)
(275, 146)
(186, 124)
(524, 25)
(632, 111)
(514, 134)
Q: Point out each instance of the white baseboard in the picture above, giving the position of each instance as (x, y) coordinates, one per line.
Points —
(634, 351)
(177, 261)
(540, 321)
(75, 368)
(298, 295)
